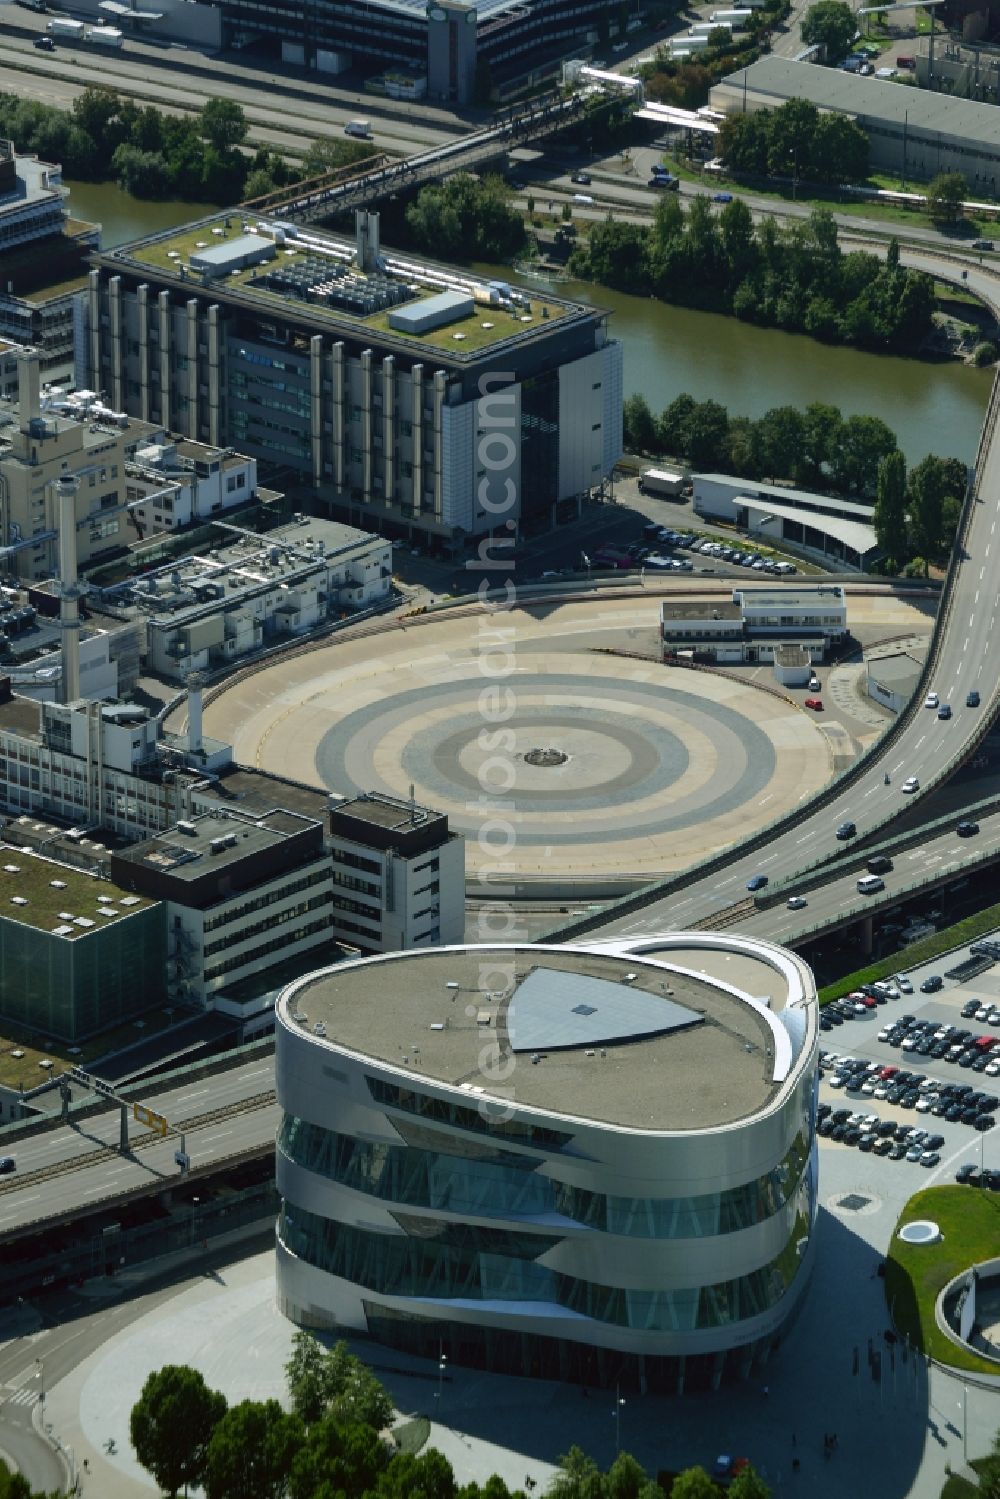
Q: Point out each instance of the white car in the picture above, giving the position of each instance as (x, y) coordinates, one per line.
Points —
(992, 1069)
(837, 1081)
(903, 984)
(931, 700)
(910, 785)
(914, 1153)
(925, 1104)
(796, 902)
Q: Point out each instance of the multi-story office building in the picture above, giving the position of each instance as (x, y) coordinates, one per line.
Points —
(77, 954)
(39, 444)
(399, 875)
(410, 397)
(42, 258)
(594, 1163)
(241, 894)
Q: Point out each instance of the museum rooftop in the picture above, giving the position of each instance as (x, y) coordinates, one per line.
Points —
(620, 1040)
(350, 285)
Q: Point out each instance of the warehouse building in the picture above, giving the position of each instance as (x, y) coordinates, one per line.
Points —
(593, 1164)
(913, 133)
(443, 432)
(837, 532)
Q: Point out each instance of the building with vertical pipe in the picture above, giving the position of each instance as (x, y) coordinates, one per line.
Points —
(410, 396)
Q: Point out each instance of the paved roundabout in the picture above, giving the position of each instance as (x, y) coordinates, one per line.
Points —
(553, 757)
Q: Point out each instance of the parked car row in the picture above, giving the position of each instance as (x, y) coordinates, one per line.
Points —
(956, 1103)
(876, 1136)
(946, 1043)
(969, 1175)
(738, 556)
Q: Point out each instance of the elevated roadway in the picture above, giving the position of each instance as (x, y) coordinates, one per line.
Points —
(74, 1169)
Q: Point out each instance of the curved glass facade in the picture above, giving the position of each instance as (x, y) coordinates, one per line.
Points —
(492, 1265)
(500, 1183)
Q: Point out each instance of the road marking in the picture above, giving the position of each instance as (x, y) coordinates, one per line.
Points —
(920, 741)
(965, 648)
(982, 573)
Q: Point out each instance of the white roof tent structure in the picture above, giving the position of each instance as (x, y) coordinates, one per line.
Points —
(678, 119)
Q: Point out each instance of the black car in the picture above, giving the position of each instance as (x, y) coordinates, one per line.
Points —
(840, 1116)
(931, 984)
(897, 1152)
(852, 1137)
(952, 1114)
(824, 1110)
(7, 1164)
(983, 1122)
(972, 699)
(846, 830)
(886, 1128)
(832, 1017)
(969, 1116)
(970, 1008)
(867, 1142)
(934, 1142)
(756, 882)
(583, 178)
(825, 1127)
(838, 1132)
(967, 1174)
(967, 828)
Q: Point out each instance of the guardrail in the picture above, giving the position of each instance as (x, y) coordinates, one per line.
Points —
(661, 890)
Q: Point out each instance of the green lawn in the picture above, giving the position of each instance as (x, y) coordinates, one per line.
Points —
(25, 1070)
(979, 925)
(915, 1274)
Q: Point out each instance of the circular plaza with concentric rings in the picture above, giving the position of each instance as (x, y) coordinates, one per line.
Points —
(600, 762)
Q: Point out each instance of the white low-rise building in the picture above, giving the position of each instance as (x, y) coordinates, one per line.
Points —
(755, 623)
(837, 532)
(399, 874)
(187, 482)
(206, 611)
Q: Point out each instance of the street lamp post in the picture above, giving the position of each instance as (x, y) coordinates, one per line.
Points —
(442, 1366)
(619, 1402)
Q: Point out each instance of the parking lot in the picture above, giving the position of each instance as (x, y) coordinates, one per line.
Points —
(924, 1062)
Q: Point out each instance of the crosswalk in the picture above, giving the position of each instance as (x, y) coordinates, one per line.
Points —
(18, 1397)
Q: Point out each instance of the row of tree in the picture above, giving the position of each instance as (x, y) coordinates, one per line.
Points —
(332, 1444)
(796, 141)
(156, 155)
(686, 83)
(818, 448)
(794, 277)
(915, 516)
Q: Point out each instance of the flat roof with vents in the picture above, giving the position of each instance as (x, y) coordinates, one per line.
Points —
(621, 1040)
(57, 899)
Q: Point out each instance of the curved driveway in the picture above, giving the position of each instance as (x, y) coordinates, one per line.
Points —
(926, 746)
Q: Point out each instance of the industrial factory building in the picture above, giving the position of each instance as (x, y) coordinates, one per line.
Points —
(413, 398)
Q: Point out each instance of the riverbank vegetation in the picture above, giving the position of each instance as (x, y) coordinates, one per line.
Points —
(795, 140)
(201, 157)
(794, 277)
(465, 217)
(915, 514)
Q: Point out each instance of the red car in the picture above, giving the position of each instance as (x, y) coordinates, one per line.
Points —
(815, 703)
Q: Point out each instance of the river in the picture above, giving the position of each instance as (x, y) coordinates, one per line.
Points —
(932, 408)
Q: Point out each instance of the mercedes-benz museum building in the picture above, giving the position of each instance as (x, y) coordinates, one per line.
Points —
(588, 1163)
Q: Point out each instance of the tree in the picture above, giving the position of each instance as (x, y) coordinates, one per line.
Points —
(223, 124)
(693, 1483)
(348, 1458)
(673, 425)
(779, 441)
(829, 24)
(172, 1423)
(928, 490)
(578, 1477)
(362, 1400)
(305, 1375)
(839, 151)
(945, 196)
(860, 443)
(640, 425)
(889, 516)
(748, 1484)
(251, 1451)
(707, 430)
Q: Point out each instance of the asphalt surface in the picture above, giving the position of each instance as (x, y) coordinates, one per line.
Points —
(926, 746)
(26, 1198)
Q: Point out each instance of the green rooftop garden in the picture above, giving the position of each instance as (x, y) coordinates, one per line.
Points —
(26, 877)
(485, 326)
(916, 1274)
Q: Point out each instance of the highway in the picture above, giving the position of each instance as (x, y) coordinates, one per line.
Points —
(72, 1168)
(922, 746)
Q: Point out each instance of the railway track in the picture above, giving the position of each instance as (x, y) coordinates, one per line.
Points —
(139, 1142)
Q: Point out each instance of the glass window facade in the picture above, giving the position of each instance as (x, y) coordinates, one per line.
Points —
(438, 1172)
(462, 1261)
(487, 1119)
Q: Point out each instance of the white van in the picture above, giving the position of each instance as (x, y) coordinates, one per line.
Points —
(870, 884)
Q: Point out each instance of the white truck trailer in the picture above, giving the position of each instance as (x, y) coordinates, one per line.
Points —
(105, 36)
(66, 29)
(664, 482)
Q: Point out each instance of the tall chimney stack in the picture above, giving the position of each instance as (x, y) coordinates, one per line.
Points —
(195, 682)
(28, 385)
(69, 589)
